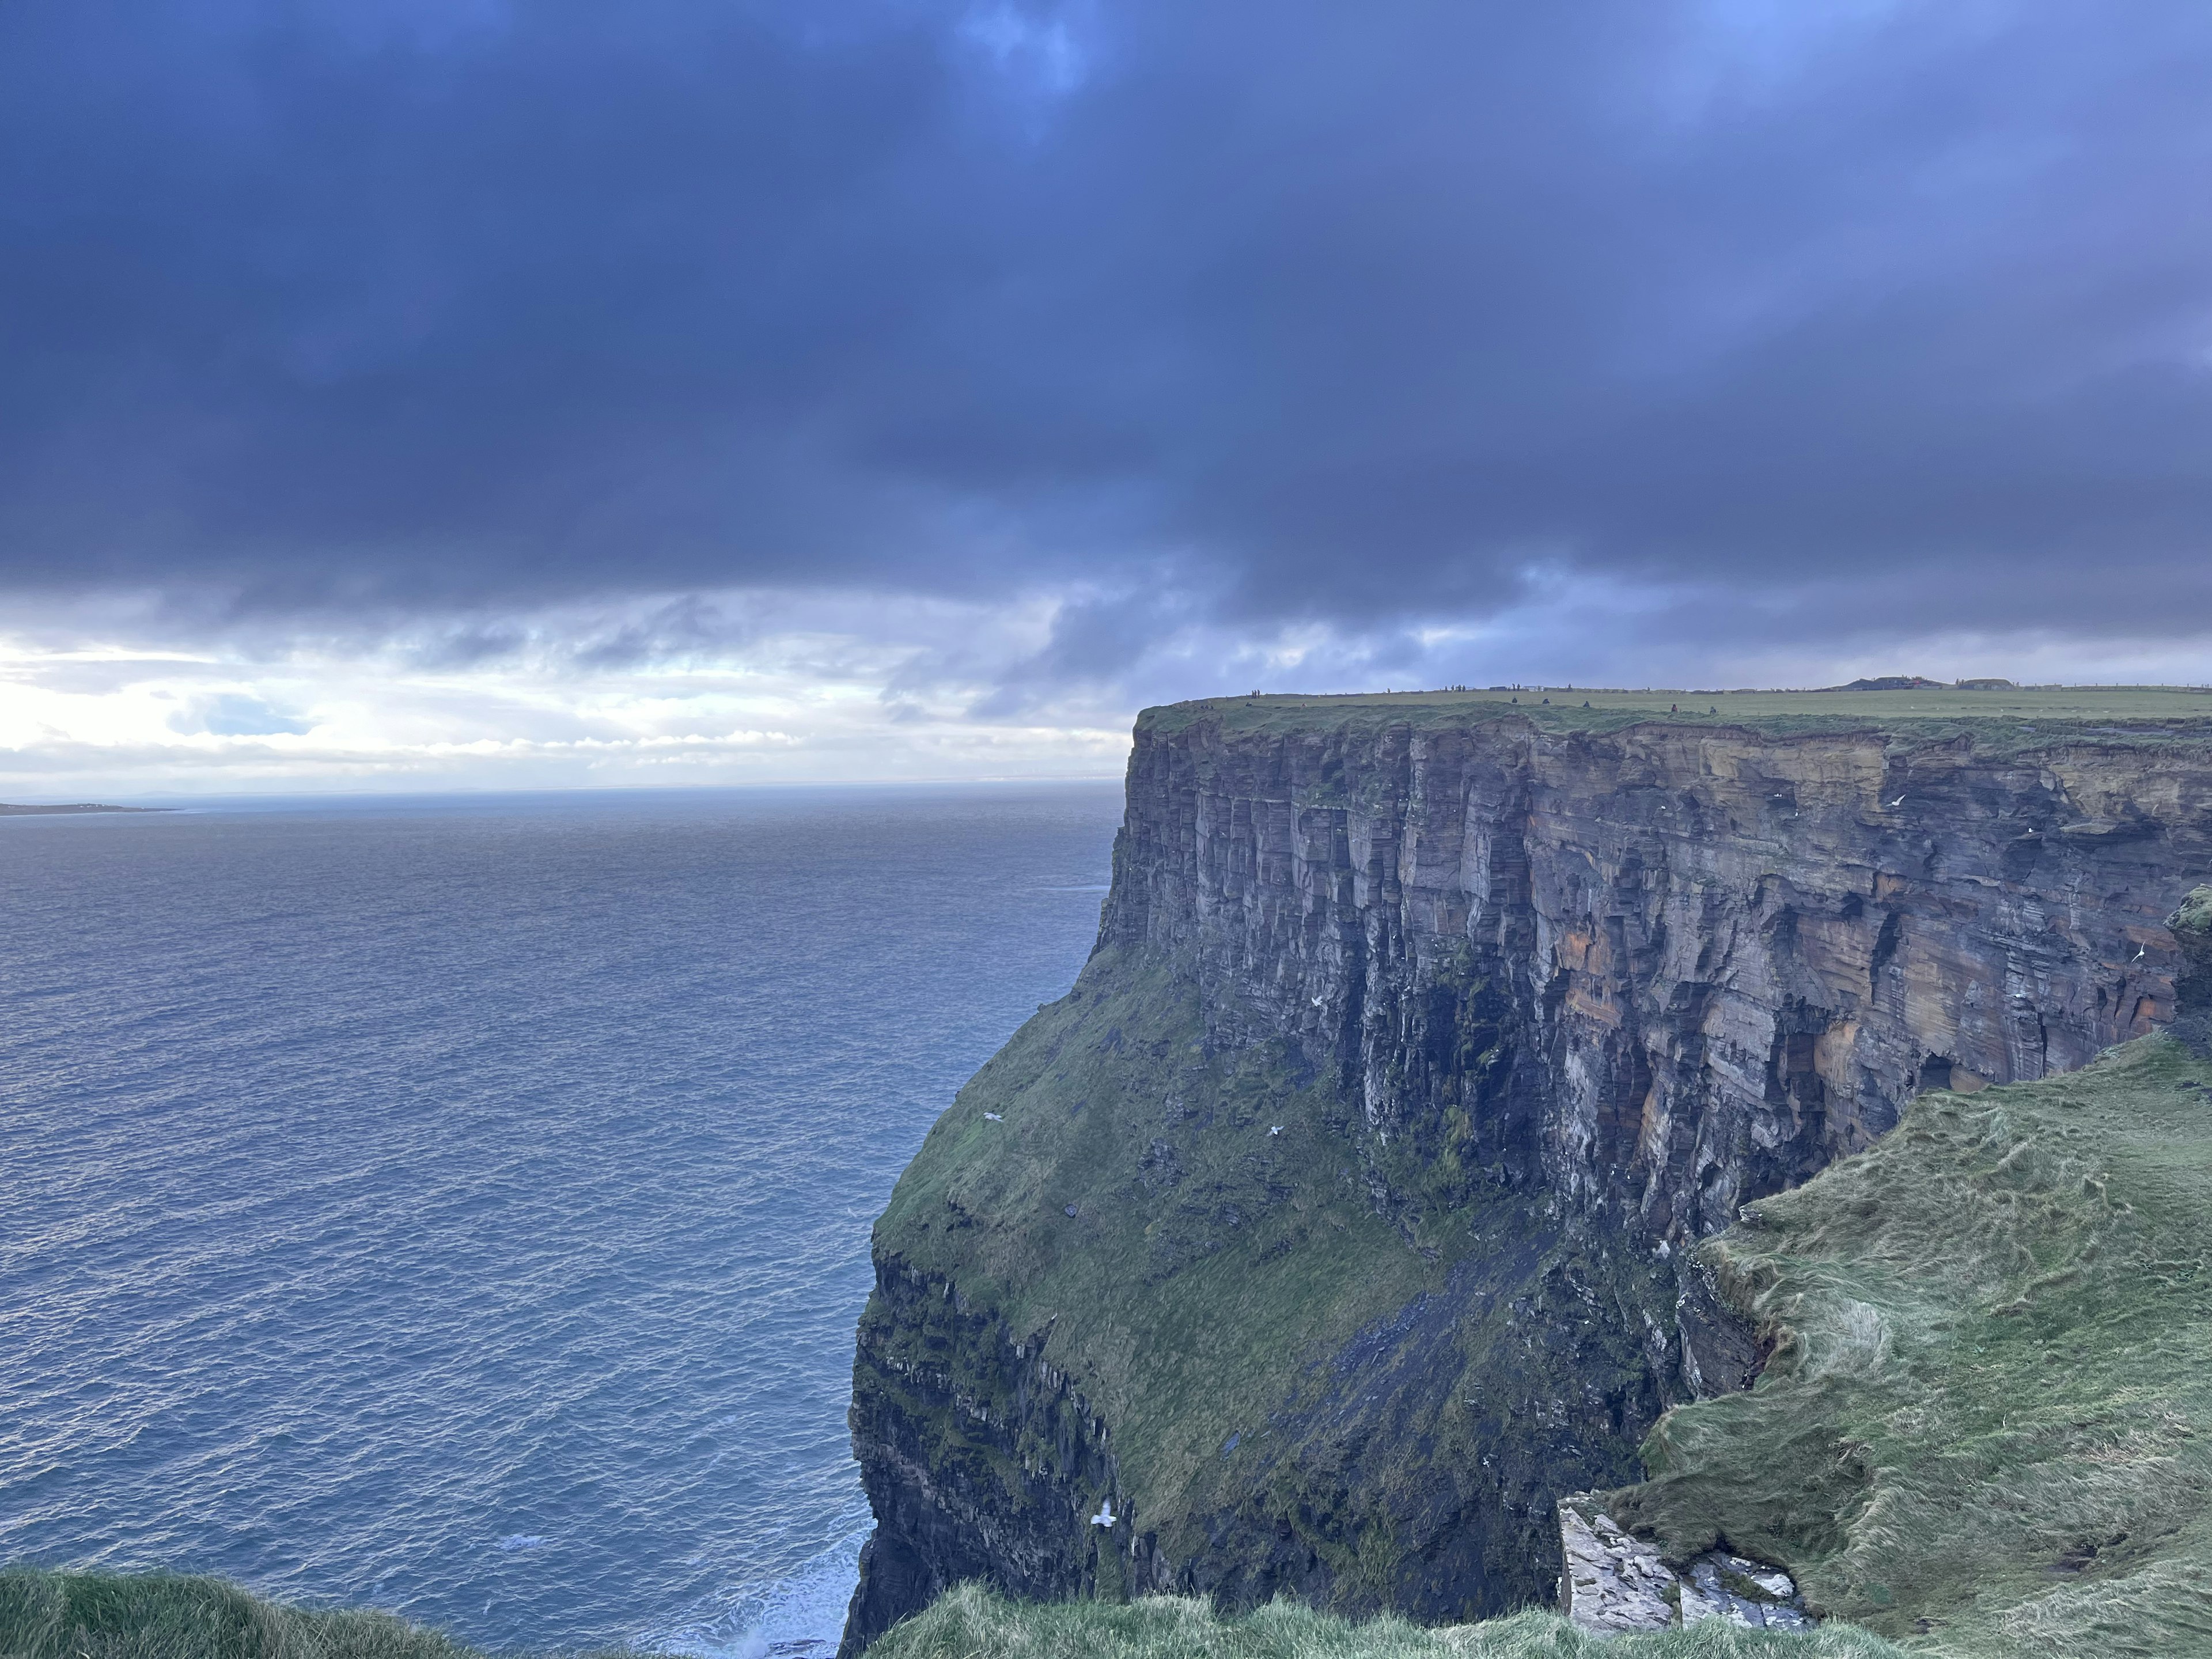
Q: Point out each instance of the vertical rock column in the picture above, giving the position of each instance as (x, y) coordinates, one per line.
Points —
(2191, 927)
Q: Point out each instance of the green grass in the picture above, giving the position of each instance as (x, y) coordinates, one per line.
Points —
(1987, 1428)
(94, 1615)
(45, 1614)
(970, 1623)
(58, 1615)
(2006, 722)
(1195, 1287)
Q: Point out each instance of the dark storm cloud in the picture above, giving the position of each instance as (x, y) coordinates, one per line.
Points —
(1273, 312)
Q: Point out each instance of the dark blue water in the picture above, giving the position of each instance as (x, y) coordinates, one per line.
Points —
(461, 1207)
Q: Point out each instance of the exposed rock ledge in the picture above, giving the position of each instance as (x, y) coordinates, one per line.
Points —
(1615, 1583)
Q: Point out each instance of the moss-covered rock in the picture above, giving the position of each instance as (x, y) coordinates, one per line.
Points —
(2191, 927)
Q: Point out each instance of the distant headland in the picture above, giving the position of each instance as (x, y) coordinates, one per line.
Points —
(8, 811)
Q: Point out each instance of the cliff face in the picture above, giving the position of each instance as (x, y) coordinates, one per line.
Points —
(1333, 1226)
(1709, 963)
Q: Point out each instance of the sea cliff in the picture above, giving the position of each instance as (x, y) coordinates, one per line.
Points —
(1345, 1216)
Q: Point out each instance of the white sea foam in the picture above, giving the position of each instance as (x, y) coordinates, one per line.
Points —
(800, 1617)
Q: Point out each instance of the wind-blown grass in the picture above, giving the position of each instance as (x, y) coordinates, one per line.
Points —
(1987, 1428)
(87, 1615)
(98, 1615)
(971, 1623)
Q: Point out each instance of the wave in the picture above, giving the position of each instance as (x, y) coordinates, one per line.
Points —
(800, 1617)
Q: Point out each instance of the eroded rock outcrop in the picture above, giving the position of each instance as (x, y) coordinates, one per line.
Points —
(1614, 1584)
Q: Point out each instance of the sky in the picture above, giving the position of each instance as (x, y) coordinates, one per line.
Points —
(535, 393)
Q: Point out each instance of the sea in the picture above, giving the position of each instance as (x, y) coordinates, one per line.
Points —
(460, 1205)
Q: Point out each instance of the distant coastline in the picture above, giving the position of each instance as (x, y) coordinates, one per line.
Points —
(8, 811)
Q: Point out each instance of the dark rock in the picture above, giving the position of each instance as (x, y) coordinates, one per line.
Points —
(2191, 927)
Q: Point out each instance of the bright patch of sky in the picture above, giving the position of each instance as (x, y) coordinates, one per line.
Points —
(1043, 51)
(735, 687)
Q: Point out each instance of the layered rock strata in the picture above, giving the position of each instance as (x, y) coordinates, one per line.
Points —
(1665, 969)
(1544, 1007)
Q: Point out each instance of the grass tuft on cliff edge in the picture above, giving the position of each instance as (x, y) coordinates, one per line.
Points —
(90, 1615)
(1987, 1426)
(46, 1614)
(100, 1615)
(971, 1623)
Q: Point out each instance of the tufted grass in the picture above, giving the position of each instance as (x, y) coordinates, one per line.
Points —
(98, 1615)
(1987, 1427)
(45, 1614)
(971, 1623)
(89, 1615)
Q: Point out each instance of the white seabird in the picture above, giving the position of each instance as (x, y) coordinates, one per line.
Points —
(1277, 1130)
(1105, 1515)
(994, 1117)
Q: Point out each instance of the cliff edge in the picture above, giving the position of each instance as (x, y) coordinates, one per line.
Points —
(1347, 1213)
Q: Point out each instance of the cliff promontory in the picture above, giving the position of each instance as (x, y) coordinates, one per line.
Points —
(1347, 1213)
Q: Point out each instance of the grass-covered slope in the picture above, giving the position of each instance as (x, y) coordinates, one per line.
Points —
(94, 1615)
(1987, 1427)
(1182, 1228)
(971, 1624)
(1303, 1395)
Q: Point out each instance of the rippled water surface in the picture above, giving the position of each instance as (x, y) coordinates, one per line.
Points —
(461, 1205)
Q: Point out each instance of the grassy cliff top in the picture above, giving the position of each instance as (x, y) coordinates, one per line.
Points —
(1987, 1428)
(2015, 719)
(100, 1615)
(85, 1615)
(970, 1622)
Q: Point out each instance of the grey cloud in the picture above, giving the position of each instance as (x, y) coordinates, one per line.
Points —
(1255, 315)
(471, 644)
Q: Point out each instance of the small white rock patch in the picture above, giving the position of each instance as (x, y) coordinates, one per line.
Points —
(1615, 1583)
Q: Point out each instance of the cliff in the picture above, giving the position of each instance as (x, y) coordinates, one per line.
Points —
(1345, 1215)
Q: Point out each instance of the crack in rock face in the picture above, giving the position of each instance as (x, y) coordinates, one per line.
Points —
(1615, 1583)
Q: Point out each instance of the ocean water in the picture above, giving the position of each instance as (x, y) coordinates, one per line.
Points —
(460, 1206)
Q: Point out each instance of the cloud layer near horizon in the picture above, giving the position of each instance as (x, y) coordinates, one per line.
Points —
(941, 379)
